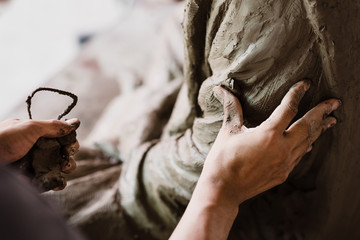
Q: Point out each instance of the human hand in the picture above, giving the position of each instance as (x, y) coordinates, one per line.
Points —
(17, 136)
(245, 162)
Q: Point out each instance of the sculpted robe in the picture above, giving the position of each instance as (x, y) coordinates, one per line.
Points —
(257, 50)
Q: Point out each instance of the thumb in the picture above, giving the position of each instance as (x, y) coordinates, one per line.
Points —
(57, 128)
(233, 114)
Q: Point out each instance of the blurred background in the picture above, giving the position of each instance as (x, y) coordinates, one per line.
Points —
(100, 50)
(39, 37)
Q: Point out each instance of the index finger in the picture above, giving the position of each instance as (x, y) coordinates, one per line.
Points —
(288, 108)
(314, 122)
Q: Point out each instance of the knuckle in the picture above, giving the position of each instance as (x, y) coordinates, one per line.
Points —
(228, 119)
(30, 124)
(292, 106)
(54, 122)
(282, 177)
(298, 94)
(234, 129)
(270, 138)
(229, 103)
(324, 125)
(308, 127)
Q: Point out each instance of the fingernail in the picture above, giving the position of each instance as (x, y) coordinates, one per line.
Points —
(332, 124)
(336, 104)
(74, 122)
(218, 93)
(340, 102)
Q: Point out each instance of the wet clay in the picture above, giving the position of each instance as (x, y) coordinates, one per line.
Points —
(45, 162)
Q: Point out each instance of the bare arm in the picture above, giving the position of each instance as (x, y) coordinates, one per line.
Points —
(245, 162)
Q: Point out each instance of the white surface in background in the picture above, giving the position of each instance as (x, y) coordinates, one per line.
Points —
(39, 37)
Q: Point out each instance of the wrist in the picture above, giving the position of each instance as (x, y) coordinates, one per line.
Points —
(210, 211)
(209, 214)
(220, 183)
(216, 194)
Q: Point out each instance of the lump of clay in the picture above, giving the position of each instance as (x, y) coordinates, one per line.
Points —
(49, 158)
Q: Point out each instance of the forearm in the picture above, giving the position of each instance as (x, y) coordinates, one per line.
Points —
(209, 214)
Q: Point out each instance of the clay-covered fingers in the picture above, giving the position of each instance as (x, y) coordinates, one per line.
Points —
(288, 108)
(69, 166)
(73, 148)
(62, 186)
(233, 114)
(57, 128)
(307, 129)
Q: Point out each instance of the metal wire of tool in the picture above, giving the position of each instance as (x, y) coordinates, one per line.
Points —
(61, 92)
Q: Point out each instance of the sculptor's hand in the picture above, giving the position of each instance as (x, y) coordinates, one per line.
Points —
(18, 136)
(244, 162)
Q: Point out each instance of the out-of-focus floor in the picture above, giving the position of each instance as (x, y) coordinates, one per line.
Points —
(39, 37)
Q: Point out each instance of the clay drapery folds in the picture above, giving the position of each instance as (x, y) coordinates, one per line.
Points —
(258, 50)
